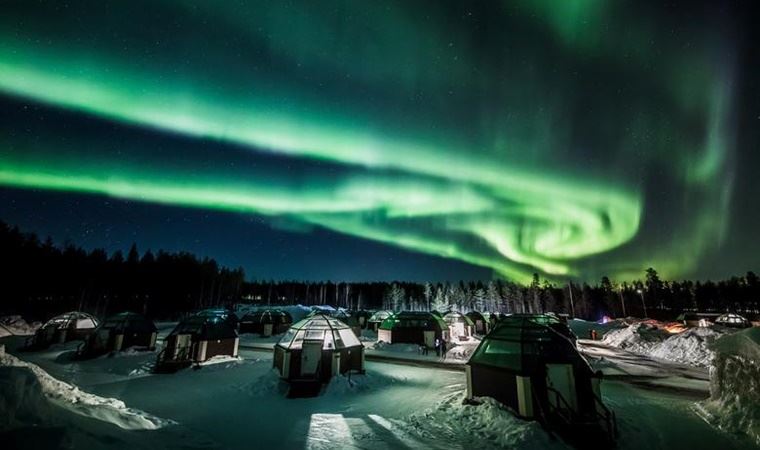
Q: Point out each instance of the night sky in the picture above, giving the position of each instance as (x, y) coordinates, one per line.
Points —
(415, 140)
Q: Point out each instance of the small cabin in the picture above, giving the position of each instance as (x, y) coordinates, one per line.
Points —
(413, 327)
(460, 326)
(265, 322)
(317, 348)
(732, 320)
(197, 339)
(480, 323)
(536, 371)
(120, 332)
(70, 326)
(377, 318)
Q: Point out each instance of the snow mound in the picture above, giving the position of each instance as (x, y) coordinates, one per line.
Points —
(690, 347)
(463, 351)
(70, 397)
(396, 348)
(734, 403)
(21, 400)
(268, 384)
(221, 359)
(489, 425)
(17, 326)
(360, 383)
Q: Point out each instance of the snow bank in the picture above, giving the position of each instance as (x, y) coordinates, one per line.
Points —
(691, 347)
(734, 403)
(17, 326)
(109, 410)
(490, 424)
(21, 400)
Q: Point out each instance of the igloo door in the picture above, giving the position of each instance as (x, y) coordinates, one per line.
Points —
(429, 339)
(311, 354)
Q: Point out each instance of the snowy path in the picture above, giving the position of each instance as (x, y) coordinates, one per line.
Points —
(618, 364)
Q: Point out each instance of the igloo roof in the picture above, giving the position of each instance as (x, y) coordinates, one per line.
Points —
(522, 343)
(81, 320)
(379, 316)
(414, 319)
(128, 321)
(320, 327)
(476, 315)
(206, 327)
(731, 318)
(268, 316)
(456, 317)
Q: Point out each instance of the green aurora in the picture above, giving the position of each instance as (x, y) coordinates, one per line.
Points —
(512, 152)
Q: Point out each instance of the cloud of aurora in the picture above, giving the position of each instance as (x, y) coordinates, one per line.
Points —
(512, 151)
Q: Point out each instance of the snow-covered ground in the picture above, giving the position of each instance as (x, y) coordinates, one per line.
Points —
(242, 404)
(734, 402)
(458, 354)
(17, 326)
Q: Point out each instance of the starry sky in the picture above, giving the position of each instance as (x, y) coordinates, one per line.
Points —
(388, 140)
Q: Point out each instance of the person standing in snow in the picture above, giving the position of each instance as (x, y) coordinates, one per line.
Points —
(443, 349)
(437, 347)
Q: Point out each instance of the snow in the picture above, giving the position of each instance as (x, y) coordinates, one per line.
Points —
(109, 410)
(691, 347)
(244, 404)
(220, 359)
(17, 326)
(489, 425)
(734, 403)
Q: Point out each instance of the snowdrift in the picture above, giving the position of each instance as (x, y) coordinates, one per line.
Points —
(691, 347)
(69, 397)
(490, 424)
(734, 403)
(17, 326)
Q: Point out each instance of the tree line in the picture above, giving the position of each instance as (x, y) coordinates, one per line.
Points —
(41, 279)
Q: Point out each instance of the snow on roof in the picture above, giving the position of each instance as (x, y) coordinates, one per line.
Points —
(744, 343)
(379, 316)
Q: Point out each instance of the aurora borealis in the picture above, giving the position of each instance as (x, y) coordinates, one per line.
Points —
(596, 137)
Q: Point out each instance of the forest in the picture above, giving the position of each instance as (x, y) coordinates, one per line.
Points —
(41, 279)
